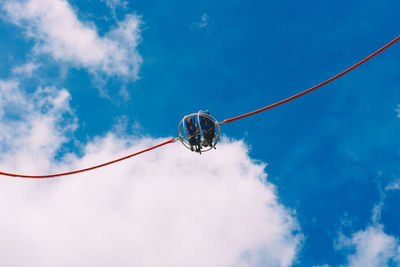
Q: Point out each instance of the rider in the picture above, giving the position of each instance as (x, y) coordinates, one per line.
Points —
(208, 128)
(193, 132)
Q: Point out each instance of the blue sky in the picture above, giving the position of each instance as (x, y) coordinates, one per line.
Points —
(332, 156)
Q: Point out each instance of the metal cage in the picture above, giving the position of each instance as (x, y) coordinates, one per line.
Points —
(204, 146)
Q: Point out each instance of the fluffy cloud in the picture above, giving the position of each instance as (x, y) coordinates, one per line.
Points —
(26, 70)
(32, 126)
(169, 207)
(57, 31)
(373, 247)
(398, 111)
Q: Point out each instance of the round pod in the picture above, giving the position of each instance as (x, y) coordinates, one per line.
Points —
(199, 140)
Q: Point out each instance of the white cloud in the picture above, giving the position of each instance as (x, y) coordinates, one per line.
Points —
(169, 207)
(27, 135)
(398, 111)
(394, 185)
(373, 247)
(113, 4)
(204, 22)
(26, 70)
(57, 31)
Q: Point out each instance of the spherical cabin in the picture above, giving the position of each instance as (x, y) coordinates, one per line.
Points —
(199, 132)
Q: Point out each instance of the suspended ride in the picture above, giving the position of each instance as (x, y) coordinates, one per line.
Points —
(200, 132)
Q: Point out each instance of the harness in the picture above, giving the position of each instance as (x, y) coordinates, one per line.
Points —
(207, 124)
(191, 128)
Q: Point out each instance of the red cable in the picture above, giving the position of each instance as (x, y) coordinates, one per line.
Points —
(225, 121)
(312, 88)
(86, 169)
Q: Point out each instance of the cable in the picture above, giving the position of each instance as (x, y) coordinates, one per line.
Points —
(312, 88)
(86, 169)
(225, 121)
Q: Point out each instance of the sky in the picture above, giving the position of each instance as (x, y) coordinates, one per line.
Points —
(314, 182)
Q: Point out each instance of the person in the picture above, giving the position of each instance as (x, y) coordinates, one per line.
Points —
(193, 133)
(208, 127)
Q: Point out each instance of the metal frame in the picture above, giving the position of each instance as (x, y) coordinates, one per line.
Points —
(183, 135)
